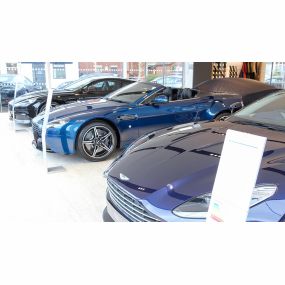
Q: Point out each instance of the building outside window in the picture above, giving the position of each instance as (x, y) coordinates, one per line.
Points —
(39, 74)
(11, 68)
(59, 71)
(275, 74)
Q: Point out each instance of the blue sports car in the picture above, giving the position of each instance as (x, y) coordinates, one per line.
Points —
(95, 128)
(168, 175)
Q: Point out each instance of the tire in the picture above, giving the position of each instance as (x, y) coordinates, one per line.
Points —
(43, 107)
(91, 143)
(222, 116)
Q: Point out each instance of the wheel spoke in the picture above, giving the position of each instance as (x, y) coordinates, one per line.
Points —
(95, 151)
(103, 138)
(88, 142)
(105, 147)
(96, 135)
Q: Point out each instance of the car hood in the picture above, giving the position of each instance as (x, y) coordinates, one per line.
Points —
(84, 109)
(31, 95)
(41, 94)
(179, 164)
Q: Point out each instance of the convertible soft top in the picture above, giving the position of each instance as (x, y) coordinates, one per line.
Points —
(250, 90)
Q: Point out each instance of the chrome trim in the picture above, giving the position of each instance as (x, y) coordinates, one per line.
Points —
(114, 214)
(128, 204)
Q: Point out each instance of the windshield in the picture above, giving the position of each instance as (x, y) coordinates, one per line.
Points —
(78, 83)
(267, 111)
(131, 93)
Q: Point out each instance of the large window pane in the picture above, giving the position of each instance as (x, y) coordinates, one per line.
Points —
(101, 68)
(275, 74)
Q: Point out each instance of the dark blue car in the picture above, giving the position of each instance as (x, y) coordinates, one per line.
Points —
(96, 128)
(168, 175)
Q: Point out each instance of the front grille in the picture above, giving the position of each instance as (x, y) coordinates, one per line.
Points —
(128, 205)
(37, 131)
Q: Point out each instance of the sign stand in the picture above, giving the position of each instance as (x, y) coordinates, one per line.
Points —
(44, 127)
(14, 119)
(236, 177)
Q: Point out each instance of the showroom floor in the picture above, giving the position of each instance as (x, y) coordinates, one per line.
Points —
(29, 193)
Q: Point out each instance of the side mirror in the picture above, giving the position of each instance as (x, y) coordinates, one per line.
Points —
(236, 106)
(161, 99)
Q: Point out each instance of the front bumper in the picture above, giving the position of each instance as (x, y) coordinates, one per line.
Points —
(37, 144)
(23, 114)
(59, 139)
(114, 214)
(20, 118)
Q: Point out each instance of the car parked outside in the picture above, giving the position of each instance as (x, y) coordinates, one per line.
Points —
(8, 84)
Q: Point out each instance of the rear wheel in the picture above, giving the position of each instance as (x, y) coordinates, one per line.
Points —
(97, 141)
(222, 116)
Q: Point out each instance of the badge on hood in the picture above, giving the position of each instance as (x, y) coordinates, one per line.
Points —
(124, 177)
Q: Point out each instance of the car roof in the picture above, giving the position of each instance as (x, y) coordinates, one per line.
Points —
(233, 86)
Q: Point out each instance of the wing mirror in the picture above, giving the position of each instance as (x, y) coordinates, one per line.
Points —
(236, 106)
(161, 99)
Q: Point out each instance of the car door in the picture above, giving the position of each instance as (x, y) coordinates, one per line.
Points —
(158, 116)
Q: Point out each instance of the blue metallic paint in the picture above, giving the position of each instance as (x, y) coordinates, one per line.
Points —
(188, 160)
(131, 120)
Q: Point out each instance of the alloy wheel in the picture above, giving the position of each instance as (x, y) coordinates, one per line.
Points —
(98, 142)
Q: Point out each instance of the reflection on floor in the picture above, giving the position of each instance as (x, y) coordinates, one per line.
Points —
(29, 193)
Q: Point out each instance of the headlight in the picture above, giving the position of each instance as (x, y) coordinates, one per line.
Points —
(57, 123)
(198, 207)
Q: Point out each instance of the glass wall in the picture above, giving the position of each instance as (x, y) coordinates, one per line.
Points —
(275, 74)
(172, 74)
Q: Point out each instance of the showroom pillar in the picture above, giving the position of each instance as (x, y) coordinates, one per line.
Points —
(187, 75)
(202, 71)
(145, 70)
(125, 70)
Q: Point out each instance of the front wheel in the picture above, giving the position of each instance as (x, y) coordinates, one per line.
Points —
(43, 107)
(97, 141)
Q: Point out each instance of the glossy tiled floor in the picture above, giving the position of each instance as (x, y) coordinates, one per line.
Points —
(29, 193)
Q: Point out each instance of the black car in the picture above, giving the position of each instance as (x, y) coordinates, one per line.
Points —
(8, 84)
(30, 105)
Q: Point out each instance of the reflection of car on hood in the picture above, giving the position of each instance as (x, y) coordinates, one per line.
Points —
(8, 84)
(96, 128)
(174, 178)
(28, 106)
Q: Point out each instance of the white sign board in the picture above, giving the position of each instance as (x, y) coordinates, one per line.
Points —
(236, 177)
